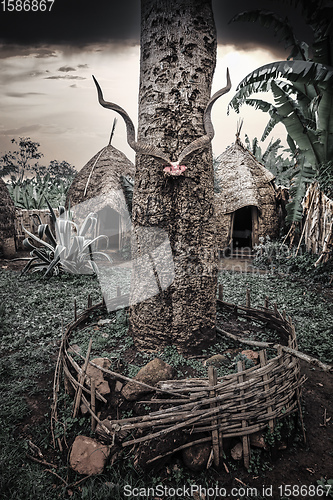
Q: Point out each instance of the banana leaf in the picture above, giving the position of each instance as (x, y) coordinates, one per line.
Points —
(279, 26)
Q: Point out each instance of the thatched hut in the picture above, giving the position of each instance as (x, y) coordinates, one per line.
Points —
(98, 188)
(245, 199)
(7, 219)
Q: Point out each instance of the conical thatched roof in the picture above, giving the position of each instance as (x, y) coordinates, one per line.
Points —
(242, 179)
(99, 182)
(7, 213)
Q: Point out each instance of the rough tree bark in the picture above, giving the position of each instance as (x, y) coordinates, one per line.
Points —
(178, 54)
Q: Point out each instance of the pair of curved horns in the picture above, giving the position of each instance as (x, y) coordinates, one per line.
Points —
(143, 148)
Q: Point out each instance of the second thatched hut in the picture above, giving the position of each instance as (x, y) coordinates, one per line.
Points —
(245, 199)
(98, 188)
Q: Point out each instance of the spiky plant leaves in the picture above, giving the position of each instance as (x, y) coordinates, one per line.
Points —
(70, 252)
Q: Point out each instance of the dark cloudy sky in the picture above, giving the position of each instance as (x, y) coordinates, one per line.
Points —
(47, 58)
(81, 22)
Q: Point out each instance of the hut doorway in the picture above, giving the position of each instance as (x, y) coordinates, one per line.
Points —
(109, 224)
(244, 227)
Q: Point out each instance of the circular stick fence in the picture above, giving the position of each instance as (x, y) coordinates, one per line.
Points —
(236, 405)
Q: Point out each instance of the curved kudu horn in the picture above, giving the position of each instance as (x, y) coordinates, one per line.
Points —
(138, 147)
(204, 140)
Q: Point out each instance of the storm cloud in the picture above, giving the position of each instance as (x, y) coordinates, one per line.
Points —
(80, 23)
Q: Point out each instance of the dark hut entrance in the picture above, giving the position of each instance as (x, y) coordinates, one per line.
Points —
(243, 227)
(109, 224)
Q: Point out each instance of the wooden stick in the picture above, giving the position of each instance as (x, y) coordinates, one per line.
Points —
(81, 380)
(246, 441)
(212, 377)
(56, 383)
(75, 384)
(93, 403)
(325, 246)
(263, 362)
(116, 375)
(307, 358)
(290, 229)
(75, 310)
(184, 423)
(182, 447)
(244, 341)
(43, 462)
(305, 223)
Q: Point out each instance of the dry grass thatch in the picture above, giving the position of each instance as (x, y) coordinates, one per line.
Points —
(98, 184)
(243, 181)
(7, 219)
(318, 223)
(242, 178)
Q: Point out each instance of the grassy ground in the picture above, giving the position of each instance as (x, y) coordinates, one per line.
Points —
(32, 311)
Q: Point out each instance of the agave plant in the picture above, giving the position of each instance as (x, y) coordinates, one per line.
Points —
(69, 251)
(302, 91)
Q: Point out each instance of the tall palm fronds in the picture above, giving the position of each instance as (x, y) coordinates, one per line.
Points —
(281, 165)
(302, 89)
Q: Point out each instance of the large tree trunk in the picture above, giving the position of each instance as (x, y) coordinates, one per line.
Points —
(178, 53)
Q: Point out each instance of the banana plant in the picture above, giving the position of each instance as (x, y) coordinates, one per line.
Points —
(281, 166)
(69, 250)
(302, 89)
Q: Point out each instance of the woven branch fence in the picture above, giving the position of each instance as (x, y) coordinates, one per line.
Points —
(236, 405)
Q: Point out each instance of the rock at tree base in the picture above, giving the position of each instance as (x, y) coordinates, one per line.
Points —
(101, 385)
(251, 355)
(158, 446)
(258, 440)
(196, 457)
(88, 456)
(217, 360)
(237, 451)
(155, 371)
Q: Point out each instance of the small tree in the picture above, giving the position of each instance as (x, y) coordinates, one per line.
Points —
(61, 170)
(18, 162)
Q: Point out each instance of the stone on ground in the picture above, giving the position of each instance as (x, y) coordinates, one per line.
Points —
(196, 457)
(88, 456)
(237, 451)
(155, 371)
(101, 385)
